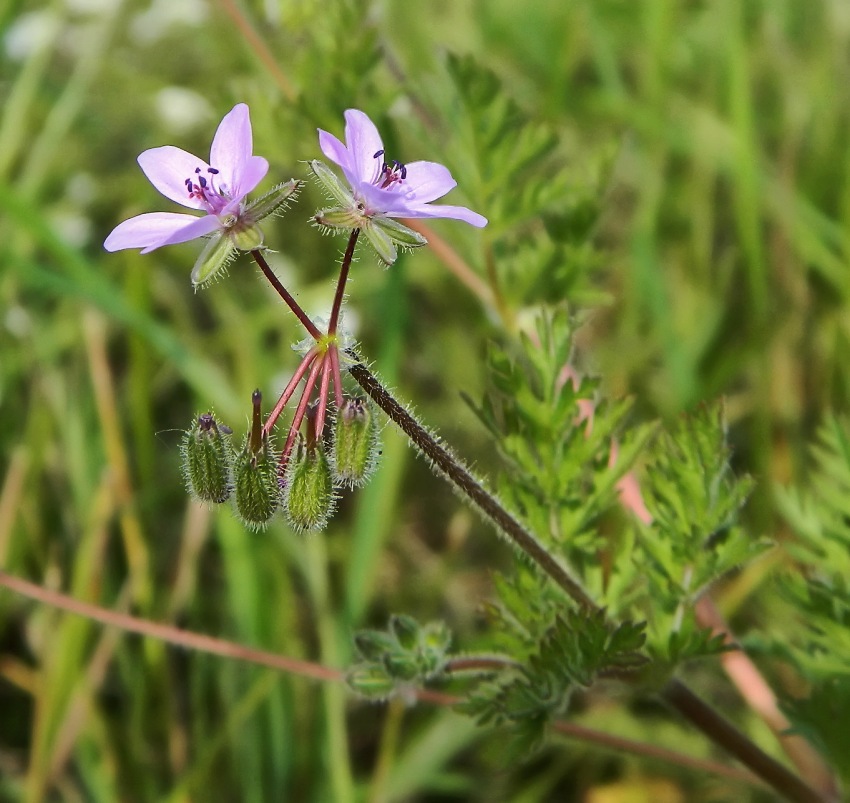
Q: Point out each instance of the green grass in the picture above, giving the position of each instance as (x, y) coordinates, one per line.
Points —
(718, 133)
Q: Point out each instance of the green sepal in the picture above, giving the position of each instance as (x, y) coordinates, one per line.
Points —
(381, 242)
(400, 234)
(309, 495)
(274, 201)
(339, 218)
(246, 237)
(217, 254)
(331, 183)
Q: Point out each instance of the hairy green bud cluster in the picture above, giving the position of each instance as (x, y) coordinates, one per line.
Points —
(406, 652)
(207, 454)
(309, 498)
(355, 446)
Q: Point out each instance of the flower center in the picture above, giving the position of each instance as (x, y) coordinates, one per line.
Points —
(204, 190)
(391, 172)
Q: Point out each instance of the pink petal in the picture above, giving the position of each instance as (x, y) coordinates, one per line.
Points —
(199, 227)
(147, 231)
(453, 212)
(363, 142)
(427, 181)
(253, 172)
(232, 145)
(334, 149)
(167, 168)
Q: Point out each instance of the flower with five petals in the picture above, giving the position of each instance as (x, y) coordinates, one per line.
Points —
(380, 190)
(217, 189)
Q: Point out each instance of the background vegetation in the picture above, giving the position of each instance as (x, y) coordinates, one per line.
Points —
(676, 171)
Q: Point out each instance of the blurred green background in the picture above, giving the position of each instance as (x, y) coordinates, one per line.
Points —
(703, 143)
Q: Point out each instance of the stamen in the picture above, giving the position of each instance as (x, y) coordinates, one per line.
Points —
(212, 170)
(379, 153)
(202, 181)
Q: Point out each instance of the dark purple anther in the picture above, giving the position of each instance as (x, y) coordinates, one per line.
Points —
(202, 181)
(212, 170)
(378, 153)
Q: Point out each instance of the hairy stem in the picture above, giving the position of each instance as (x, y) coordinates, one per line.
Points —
(675, 693)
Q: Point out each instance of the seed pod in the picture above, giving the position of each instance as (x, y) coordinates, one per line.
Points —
(308, 494)
(257, 496)
(355, 448)
(207, 460)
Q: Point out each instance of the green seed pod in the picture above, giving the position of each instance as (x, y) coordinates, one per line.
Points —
(207, 460)
(355, 448)
(371, 681)
(255, 481)
(308, 494)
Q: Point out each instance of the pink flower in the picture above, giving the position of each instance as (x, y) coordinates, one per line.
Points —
(390, 188)
(381, 189)
(217, 189)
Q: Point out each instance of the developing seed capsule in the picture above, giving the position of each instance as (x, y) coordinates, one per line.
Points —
(309, 495)
(257, 492)
(207, 460)
(355, 448)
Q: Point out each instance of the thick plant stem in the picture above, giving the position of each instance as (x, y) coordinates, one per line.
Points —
(675, 693)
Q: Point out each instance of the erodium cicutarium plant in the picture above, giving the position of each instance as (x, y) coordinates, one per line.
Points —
(562, 626)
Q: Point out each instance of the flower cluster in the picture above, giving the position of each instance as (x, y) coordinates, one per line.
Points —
(303, 478)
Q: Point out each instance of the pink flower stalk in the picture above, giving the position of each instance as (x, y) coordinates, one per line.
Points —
(390, 188)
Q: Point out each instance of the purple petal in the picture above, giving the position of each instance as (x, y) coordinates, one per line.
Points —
(199, 227)
(334, 150)
(232, 145)
(363, 142)
(427, 181)
(148, 231)
(447, 211)
(167, 168)
(253, 172)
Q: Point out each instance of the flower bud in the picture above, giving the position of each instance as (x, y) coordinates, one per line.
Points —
(207, 455)
(355, 448)
(372, 645)
(404, 666)
(406, 630)
(257, 492)
(309, 495)
(372, 681)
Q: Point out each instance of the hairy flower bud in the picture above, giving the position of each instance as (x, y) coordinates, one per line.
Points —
(372, 681)
(308, 495)
(355, 448)
(207, 456)
(257, 492)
